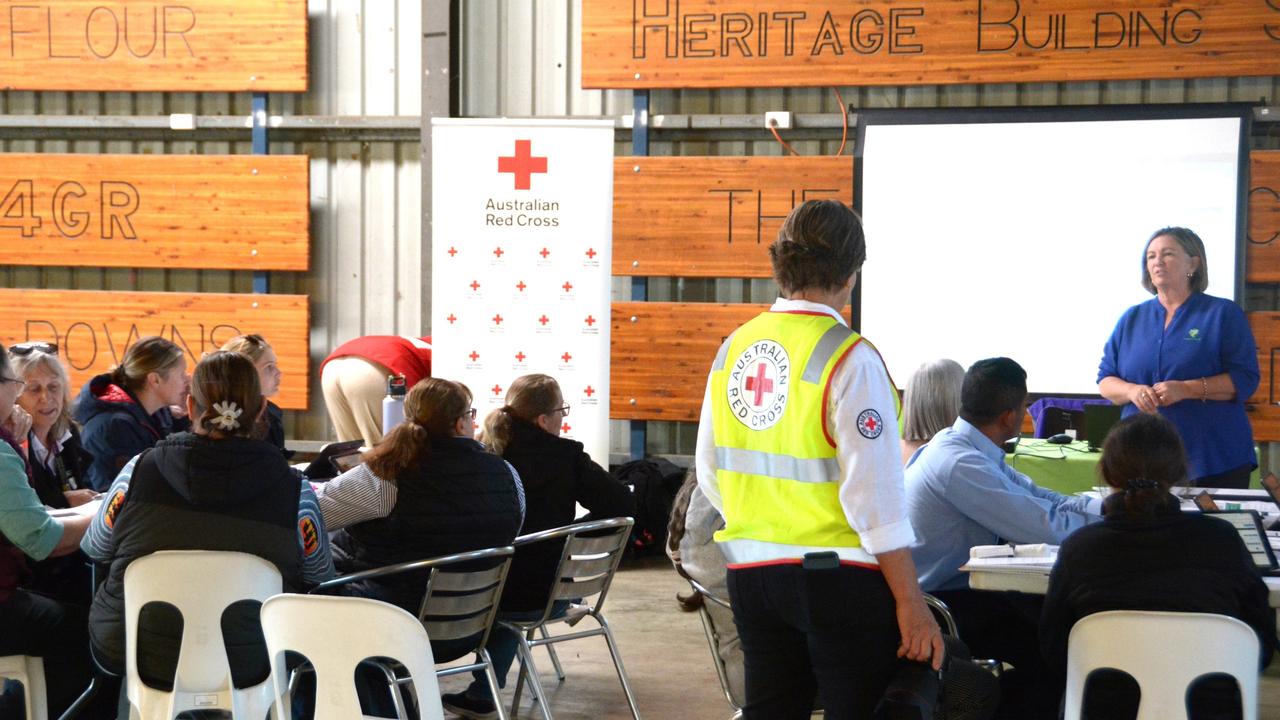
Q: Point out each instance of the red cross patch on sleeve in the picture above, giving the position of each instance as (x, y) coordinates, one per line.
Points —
(869, 424)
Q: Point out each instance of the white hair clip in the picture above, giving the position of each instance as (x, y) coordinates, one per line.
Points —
(227, 417)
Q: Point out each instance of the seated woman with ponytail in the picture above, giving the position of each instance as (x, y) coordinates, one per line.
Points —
(131, 408)
(558, 475)
(215, 488)
(1148, 555)
(439, 493)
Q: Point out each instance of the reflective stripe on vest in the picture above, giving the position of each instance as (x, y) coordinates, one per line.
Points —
(777, 470)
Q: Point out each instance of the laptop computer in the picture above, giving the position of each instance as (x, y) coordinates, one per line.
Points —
(1249, 524)
(1098, 420)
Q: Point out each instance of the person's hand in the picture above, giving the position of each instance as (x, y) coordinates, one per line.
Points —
(921, 638)
(1170, 392)
(1144, 398)
(178, 411)
(18, 424)
(76, 498)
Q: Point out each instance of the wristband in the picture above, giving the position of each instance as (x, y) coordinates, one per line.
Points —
(1204, 389)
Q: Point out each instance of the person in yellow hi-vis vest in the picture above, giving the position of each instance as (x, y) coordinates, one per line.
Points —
(798, 450)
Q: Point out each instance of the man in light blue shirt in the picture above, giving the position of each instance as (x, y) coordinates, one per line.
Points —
(960, 493)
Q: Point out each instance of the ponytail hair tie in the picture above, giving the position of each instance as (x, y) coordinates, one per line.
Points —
(1140, 484)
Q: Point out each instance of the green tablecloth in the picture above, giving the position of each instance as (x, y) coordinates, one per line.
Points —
(1065, 468)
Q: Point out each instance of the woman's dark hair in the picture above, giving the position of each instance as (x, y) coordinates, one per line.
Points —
(820, 245)
(1142, 458)
(528, 397)
(226, 393)
(148, 355)
(1192, 245)
(431, 409)
(991, 388)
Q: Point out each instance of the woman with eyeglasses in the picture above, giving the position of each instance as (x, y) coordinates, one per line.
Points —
(427, 489)
(257, 349)
(558, 475)
(56, 456)
(31, 623)
(133, 407)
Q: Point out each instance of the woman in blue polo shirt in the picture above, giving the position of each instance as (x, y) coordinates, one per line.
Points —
(1188, 356)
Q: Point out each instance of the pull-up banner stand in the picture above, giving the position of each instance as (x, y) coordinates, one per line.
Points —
(522, 224)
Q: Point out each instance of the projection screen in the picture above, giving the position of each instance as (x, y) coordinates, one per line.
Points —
(1021, 234)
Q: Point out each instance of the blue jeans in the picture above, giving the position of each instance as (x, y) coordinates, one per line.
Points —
(502, 647)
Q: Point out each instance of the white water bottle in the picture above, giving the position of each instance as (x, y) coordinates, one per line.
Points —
(393, 403)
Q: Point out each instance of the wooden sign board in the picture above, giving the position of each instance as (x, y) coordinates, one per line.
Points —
(1262, 261)
(238, 212)
(1264, 406)
(154, 45)
(93, 329)
(713, 216)
(751, 43)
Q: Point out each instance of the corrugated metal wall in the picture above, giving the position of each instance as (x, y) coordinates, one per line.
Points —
(365, 230)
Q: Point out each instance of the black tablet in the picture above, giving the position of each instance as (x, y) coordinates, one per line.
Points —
(334, 458)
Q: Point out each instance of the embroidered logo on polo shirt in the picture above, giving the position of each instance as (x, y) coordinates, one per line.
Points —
(757, 392)
(869, 424)
(1194, 334)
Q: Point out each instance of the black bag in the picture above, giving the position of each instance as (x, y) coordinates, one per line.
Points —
(654, 483)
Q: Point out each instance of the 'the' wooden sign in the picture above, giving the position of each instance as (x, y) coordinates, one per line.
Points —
(154, 45)
(239, 212)
(713, 216)
(93, 329)
(786, 43)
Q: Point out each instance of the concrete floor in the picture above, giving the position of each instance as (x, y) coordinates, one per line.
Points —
(667, 660)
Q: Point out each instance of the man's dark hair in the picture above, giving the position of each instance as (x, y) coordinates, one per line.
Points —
(820, 246)
(991, 388)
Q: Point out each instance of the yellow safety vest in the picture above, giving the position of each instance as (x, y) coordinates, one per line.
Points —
(776, 464)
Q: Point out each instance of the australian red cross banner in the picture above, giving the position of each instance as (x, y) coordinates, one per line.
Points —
(523, 214)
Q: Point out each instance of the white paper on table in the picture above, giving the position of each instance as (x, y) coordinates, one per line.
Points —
(88, 509)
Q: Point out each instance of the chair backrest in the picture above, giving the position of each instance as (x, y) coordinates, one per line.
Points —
(200, 584)
(370, 629)
(1164, 652)
(592, 551)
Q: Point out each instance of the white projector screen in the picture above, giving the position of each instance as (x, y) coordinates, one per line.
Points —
(1025, 239)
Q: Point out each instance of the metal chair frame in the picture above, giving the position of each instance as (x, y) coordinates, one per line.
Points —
(455, 604)
(943, 614)
(587, 566)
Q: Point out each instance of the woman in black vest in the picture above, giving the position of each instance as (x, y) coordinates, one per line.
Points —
(216, 488)
(256, 348)
(448, 495)
(557, 475)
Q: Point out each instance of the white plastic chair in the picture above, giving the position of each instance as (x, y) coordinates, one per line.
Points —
(369, 628)
(29, 671)
(200, 584)
(1164, 652)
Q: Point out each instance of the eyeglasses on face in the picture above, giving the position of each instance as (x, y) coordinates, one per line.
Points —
(468, 414)
(24, 349)
(20, 383)
(563, 410)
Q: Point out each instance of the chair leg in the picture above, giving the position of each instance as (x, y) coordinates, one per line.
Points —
(617, 665)
(551, 650)
(85, 697)
(397, 700)
(529, 668)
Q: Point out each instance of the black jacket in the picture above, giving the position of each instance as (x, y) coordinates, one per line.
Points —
(190, 492)
(275, 428)
(71, 469)
(557, 473)
(115, 428)
(1173, 561)
(461, 498)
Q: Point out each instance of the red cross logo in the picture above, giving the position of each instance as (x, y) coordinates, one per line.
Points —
(566, 356)
(523, 164)
(497, 252)
(545, 252)
(453, 251)
(544, 320)
(871, 424)
(590, 391)
(520, 356)
(565, 428)
(497, 389)
(591, 253)
(451, 319)
(474, 356)
(590, 321)
(521, 286)
(497, 320)
(760, 384)
(567, 286)
(475, 285)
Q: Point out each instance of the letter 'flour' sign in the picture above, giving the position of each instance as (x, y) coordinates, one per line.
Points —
(521, 262)
(787, 43)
